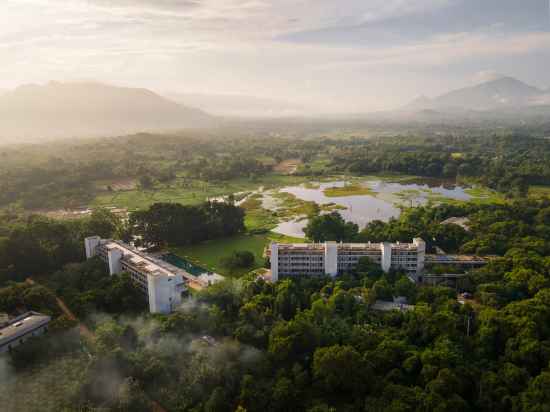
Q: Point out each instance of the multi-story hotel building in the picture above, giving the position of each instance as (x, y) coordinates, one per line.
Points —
(161, 283)
(18, 330)
(332, 258)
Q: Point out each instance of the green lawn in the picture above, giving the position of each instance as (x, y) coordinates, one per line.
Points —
(209, 254)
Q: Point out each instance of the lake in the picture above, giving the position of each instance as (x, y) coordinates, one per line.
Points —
(382, 203)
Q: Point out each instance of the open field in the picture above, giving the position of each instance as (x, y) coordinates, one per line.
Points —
(209, 254)
(187, 191)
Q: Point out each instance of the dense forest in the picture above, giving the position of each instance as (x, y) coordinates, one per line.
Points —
(312, 344)
(505, 163)
(175, 225)
(303, 344)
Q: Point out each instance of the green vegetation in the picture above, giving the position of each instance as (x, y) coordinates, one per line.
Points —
(485, 195)
(136, 171)
(239, 260)
(303, 344)
(189, 191)
(258, 219)
(210, 254)
(172, 224)
(539, 191)
(509, 163)
(354, 189)
(319, 343)
(331, 207)
(331, 227)
(291, 207)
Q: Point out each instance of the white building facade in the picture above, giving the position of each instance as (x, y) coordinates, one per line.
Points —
(161, 283)
(331, 258)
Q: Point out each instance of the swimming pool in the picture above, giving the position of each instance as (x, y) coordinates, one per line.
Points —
(184, 264)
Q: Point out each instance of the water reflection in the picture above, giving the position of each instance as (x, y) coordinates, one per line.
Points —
(383, 204)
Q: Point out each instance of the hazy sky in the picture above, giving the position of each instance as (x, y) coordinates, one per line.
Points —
(332, 54)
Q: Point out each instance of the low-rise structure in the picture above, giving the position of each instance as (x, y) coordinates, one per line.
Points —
(332, 258)
(16, 331)
(384, 306)
(161, 282)
(463, 222)
(465, 262)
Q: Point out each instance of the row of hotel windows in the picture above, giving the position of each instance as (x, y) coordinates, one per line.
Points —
(140, 280)
(408, 262)
(348, 256)
(37, 332)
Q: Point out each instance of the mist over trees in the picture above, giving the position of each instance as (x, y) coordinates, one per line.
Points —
(308, 343)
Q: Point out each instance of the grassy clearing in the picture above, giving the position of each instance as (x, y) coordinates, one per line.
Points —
(317, 166)
(256, 217)
(479, 195)
(353, 189)
(539, 191)
(292, 207)
(190, 191)
(331, 207)
(408, 194)
(484, 195)
(193, 191)
(210, 254)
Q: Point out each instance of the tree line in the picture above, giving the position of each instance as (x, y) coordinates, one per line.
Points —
(178, 225)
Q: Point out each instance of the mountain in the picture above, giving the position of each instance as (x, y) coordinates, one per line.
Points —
(90, 109)
(237, 105)
(502, 93)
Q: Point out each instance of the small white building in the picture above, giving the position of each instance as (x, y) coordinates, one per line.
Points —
(332, 258)
(161, 283)
(18, 330)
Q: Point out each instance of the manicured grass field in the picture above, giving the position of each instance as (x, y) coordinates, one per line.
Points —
(209, 254)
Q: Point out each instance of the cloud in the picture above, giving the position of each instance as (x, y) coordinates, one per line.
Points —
(322, 52)
(163, 4)
(443, 51)
(394, 22)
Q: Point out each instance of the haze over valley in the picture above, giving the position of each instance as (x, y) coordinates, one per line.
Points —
(91, 109)
(275, 205)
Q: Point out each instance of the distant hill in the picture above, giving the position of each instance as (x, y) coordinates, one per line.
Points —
(500, 94)
(90, 109)
(236, 105)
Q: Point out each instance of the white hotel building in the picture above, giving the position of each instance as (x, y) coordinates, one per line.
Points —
(161, 283)
(18, 330)
(332, 258)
